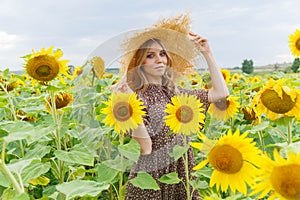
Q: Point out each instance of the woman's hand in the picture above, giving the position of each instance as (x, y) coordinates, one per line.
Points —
(121, 86)
(200, 42)
(145, 144)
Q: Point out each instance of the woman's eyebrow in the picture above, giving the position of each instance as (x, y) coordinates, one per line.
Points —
(153, 51)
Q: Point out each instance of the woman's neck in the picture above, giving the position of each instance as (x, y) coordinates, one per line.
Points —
(154, 80)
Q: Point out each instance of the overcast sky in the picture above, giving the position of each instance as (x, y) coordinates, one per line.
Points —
(237, 30)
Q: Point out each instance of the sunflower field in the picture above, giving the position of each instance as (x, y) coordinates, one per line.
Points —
(59, 138)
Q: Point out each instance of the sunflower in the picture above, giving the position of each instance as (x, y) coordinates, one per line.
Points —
(255, 79)
(294, 43)
(225, 108)
(14, 84)
(206, 145)
(26, 77)
(23, 116)
(78, 70)
(279, 176)
(250, 114)
(98, 66)
(124, 111)
(45, 65)
(207, 83)
(184, 114)
(277, 99)
(61, 100)
(226, 74)
(195, 82)
(182, 83)
(232, 158)
(108, 76)
(235, 77)
(211, 198)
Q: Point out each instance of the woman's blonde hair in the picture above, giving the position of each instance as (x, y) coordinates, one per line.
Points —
(136, 78)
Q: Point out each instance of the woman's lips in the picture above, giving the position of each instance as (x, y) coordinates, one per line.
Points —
(159, 67)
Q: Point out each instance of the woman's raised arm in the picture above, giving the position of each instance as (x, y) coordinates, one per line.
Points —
(220, 90)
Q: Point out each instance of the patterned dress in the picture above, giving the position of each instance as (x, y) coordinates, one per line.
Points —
(159, 163)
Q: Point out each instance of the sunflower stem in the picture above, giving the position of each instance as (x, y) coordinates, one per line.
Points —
(186, 165)
(20, 181)
(290, 129)
(61, 171)
(11, 178)
(10, 103)
(56, 169)
(55, 116)
(8, 173)
(121, 140)
(13, 112)
(241, 99)
(21, 148)
(93, 78)
(55, 119)
(261, 138)
(3, 151)
(111, 192)
(281, 134)
(231, 123)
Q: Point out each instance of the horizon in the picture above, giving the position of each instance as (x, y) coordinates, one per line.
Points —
(22, 71)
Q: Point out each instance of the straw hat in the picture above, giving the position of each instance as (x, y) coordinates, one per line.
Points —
(173, 32)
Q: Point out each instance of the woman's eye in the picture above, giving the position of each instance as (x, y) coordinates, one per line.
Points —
(150, 56)
(162, 54)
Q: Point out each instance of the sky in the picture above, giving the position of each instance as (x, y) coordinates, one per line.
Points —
(236, 30)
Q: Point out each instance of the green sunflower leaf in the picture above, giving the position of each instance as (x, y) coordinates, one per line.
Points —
(130, 150)
(171, 178)
(144, 181)
(178, 151)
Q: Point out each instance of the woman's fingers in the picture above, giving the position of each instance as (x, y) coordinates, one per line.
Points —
(192, 34)
(123, 87)
(199, 40)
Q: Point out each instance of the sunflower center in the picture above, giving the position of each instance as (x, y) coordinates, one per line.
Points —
(298, 44)
(226, 158)
(222, 104)
(43, 70)
(273, 102)
(184, 114)
(43, 67)
(122, 111)
(286, 180)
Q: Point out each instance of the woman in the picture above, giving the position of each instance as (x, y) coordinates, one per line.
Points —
(150, 73)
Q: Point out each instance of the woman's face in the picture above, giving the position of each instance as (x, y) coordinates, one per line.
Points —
(155, 64)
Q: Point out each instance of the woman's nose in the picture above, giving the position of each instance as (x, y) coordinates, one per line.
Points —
(158, 58)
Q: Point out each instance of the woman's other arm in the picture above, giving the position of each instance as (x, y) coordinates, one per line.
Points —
(142, 137)
(140, 134)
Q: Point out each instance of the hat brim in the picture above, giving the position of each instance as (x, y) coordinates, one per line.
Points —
(181, 49)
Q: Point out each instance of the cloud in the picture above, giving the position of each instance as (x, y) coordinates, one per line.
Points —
(237, 30)
(8, 41)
